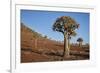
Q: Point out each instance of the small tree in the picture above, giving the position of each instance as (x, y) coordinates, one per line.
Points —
(80, 40)
(66, 25)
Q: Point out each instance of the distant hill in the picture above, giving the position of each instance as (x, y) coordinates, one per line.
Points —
(26, 31)
(31, 38)
(28, 37)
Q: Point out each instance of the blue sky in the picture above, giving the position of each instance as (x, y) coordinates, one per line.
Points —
(42, 21)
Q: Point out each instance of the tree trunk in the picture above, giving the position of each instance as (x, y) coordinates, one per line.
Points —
(80, 44)
(66, 49)
(36, 43)
(69, 43)
(69, 46)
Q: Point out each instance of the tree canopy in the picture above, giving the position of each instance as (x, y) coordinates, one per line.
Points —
(79, 40)
(65, 24)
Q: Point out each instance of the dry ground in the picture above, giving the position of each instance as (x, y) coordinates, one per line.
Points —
(49, 50)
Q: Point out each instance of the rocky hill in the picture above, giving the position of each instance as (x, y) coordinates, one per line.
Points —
(36, 48)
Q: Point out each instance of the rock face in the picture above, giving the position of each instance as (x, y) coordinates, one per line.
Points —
(36, 48)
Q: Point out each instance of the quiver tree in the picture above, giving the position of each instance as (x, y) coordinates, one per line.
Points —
(66, 25)
(80, 40)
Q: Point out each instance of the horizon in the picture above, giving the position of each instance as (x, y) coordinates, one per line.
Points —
(34, 18)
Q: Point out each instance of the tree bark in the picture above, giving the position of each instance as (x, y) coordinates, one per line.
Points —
(69, 43)
(80, 44)
(36, 43)
(66, 49)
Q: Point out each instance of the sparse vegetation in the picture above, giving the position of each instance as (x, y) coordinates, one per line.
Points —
(47, 50)
(29, 31)
(45, 36)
